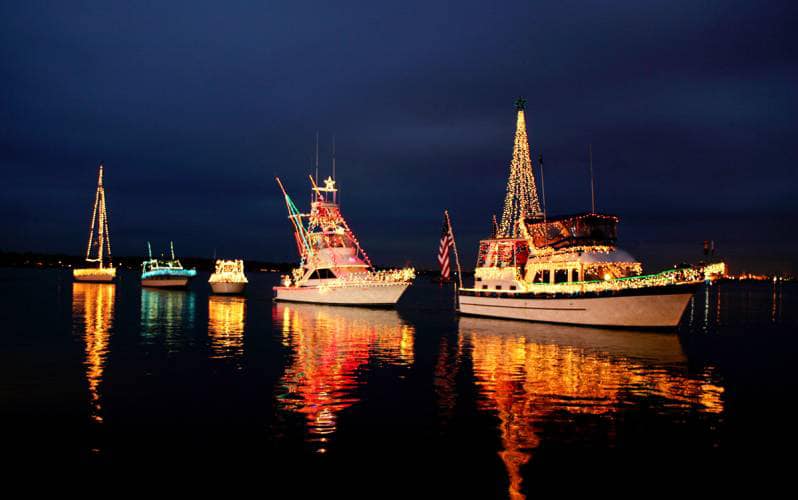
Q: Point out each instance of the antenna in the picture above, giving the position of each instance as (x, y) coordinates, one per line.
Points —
(542, 185)
(543, 193)
(333, 157)
(172, 249)
(149, 250)
(592, 184)
(317, 156)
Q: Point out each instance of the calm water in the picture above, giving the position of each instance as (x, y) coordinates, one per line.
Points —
(412, 400)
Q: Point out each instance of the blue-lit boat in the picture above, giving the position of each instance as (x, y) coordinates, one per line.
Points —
(165, 273)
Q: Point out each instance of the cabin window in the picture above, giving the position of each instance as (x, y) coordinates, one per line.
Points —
(575, 275)
(593, 274)
(484, 287)
(324, 274)
(561, 276)
(545, 276)
(512, 287)
(479, 279)
(498, 287)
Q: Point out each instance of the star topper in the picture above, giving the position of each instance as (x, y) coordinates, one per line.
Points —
(329, 184)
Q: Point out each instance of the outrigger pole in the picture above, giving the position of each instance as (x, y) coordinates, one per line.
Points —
(296, 219)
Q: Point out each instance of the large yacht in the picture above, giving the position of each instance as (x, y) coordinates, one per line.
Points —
(568, 269)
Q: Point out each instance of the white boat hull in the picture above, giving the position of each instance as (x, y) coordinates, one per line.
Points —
(165, 282)
(95, 278)
(227, 288)
(378, 295)
(644, 311)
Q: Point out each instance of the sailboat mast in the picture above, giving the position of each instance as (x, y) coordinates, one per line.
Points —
(101, 222)
(93, 219)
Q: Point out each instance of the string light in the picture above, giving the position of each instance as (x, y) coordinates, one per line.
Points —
(522, 197)
(228, 271)
(670, 277)
(99, 219)
(155, 268)
(571, 255)
(326, 233)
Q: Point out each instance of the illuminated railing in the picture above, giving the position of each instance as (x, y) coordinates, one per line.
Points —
(228, 271)
(388, 277)
(664, 278)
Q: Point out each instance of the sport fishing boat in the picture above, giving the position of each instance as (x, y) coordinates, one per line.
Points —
(228, 278)
(102, 269)
(165, 273)
(568, 269)
(334, 268)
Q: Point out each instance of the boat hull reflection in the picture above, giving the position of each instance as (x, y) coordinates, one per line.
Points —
(92, 314)
(226, 325)
(332, 348)
(533, 375)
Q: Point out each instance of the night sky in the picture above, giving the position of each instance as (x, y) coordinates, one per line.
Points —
(195, 106)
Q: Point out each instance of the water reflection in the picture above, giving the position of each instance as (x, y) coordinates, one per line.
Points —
(330, 348)
(528, 373)
(92, 315)
(166, 315)
(226, 326)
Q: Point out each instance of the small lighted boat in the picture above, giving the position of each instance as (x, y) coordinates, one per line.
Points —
(334, 268)
(165, 273)
(228, 278)
(102, 269)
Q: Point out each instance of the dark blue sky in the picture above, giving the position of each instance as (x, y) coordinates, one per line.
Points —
(195, 106)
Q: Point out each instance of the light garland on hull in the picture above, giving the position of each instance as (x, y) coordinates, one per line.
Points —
(88, 272)
(370, 278)
(684, 276)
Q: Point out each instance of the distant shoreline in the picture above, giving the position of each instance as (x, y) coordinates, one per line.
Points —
(35, 260)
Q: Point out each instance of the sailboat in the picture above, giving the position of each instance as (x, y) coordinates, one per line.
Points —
(101, 268)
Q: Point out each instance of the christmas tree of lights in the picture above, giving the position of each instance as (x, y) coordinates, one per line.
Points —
(522, 195)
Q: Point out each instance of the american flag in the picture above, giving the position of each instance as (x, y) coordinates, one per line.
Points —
(443, 251)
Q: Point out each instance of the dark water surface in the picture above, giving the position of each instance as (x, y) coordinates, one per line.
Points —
(413, 400)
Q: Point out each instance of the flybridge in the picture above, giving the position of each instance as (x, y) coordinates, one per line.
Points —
(326, 237)
(587, 229)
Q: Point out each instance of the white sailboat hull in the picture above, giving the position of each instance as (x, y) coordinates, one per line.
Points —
(95, 278)
(227, 288)
(644, 311)
(377, 295)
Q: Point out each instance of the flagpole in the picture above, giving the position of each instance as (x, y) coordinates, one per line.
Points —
(454, 245)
